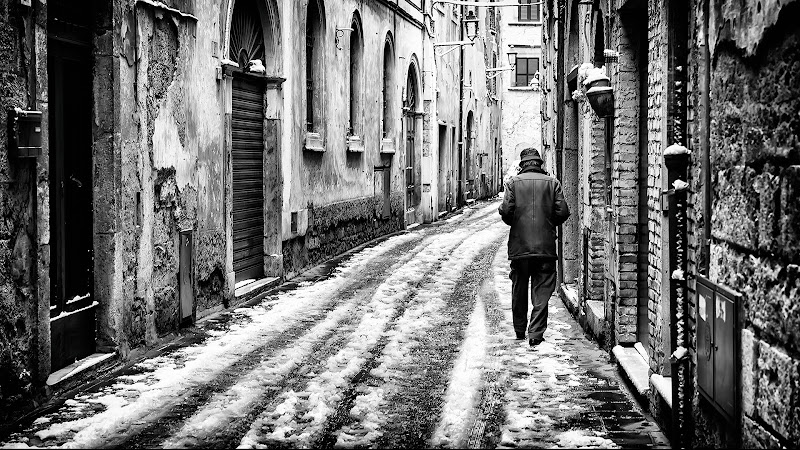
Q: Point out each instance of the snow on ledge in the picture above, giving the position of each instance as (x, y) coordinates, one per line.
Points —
(78, 367)
(663, 386)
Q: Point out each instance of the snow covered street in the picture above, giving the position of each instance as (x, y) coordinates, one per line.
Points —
(408, 343)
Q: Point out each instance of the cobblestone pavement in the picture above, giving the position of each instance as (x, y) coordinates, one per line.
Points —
(406, 343)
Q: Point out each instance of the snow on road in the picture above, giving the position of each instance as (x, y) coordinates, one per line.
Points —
(405, 344)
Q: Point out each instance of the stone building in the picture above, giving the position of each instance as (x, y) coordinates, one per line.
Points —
(194, 153)
(522, 39)
(686, 238)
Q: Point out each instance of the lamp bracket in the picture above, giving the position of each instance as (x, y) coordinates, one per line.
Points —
(339, 35)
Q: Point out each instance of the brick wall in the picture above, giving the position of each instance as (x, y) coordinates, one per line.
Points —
(625, 175)
(656, 107)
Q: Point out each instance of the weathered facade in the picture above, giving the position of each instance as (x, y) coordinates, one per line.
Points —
(194, 151)
(693, 285)
(522, 37)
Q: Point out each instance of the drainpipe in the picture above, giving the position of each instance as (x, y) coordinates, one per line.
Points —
(677, 158)
(559, 104)
(461, 160)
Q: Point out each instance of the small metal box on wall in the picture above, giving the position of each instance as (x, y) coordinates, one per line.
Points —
(185, 275)
(718, 335)
(24, 133)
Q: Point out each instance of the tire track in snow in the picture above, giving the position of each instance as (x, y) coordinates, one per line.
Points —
(134, 402)
(485, 430)
(241, 404)
(223, 421)
(398, 403)
(307, 419)
(472, 408)
(164, 423)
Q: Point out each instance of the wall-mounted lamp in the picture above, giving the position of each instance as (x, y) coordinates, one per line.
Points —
(470, 24)
(536, 82)
(512, 56)
(339, 35)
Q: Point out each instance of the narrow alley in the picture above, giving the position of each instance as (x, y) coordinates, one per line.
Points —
(407, 343)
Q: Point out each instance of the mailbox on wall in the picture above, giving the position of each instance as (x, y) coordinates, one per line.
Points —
(24, 133)
(718, 363)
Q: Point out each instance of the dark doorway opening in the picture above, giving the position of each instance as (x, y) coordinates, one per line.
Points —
(469, 141)
(247, 158)
(72, 303)
(444, 171)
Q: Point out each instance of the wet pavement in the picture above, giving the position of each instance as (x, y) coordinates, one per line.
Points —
(405, 343)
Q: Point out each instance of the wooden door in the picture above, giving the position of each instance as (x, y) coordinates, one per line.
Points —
(72, 302)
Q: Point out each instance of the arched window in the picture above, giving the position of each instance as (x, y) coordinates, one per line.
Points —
(247, 37)
(315, 32)
(356, 76)
(388, 88)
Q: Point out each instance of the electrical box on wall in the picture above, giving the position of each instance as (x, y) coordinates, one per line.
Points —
(718, 331)
(24, 133)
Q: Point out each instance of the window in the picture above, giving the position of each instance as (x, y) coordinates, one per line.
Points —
(529, 11)
(388, 86)
(526, 71)
(356, 55)
(494, 78)
(314, 37)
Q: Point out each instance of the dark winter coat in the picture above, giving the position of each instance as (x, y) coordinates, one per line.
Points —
(534, 206)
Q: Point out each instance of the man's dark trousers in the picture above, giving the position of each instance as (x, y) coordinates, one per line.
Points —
(542, 275)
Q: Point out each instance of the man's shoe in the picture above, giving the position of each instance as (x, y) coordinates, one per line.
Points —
(535, 342)
(520, 336)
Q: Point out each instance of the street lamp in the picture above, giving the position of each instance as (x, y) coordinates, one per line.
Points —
(471, 25)
(512, 56)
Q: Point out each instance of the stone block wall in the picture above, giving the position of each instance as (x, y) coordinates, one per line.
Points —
(336, 228)
(755, 219)
(24, 225)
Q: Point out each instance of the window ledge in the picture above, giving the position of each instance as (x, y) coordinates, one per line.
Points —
(314, 142)
(355, 144)
(634, 366)
(387, 146)
(525, 23)
(663, 386)
(524, 88)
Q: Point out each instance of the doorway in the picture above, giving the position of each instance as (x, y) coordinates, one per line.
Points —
(444, 171)
(247, 161)
(70, 80)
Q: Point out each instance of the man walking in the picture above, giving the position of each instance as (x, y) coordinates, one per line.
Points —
(534, 206)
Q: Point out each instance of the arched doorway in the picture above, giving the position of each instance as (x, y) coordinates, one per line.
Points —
(254, 140)
(412, 163)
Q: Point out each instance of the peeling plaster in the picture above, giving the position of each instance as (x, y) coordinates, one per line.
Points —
(744, 23)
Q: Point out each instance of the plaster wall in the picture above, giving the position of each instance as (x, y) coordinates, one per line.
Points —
(521, 106)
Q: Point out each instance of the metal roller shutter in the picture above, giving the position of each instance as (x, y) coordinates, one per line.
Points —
(247, 133)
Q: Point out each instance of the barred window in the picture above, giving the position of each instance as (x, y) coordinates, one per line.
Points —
(525, 70)
(529, 11)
